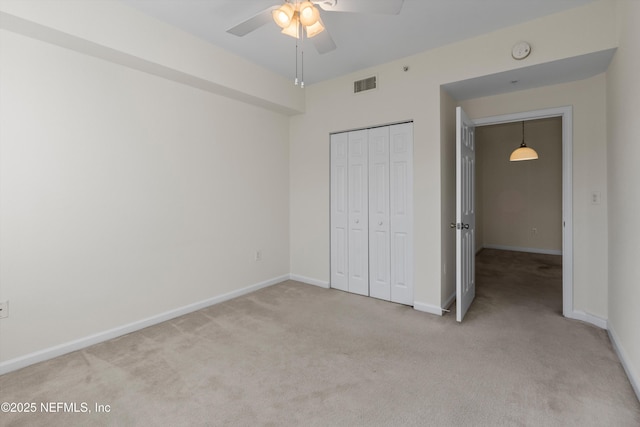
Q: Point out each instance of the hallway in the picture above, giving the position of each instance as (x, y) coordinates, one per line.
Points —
(519, 281)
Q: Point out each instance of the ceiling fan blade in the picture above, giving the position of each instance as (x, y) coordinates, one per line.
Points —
(253, 23)
(384, 7)
(323, 42)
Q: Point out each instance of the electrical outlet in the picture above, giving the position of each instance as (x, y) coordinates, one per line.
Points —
(4, 309)
(258, 255)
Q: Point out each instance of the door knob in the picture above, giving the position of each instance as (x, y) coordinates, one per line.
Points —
(380, 223)
(357, 221)
(459, 226)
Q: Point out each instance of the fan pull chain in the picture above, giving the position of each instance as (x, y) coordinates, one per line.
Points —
(299, 35)
(296, 80)
(302, 58)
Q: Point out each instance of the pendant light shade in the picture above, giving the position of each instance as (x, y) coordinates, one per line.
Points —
(523, 152)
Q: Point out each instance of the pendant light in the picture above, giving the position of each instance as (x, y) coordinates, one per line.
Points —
(523, 152)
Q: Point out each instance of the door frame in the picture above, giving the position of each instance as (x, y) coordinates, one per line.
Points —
(566, 113)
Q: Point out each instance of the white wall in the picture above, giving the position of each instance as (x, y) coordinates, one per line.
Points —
(479, 196)
(124, 195)
(623, 151)
(448, 189)
(119, 33)
(589, 173)
(518, 197)
(415, 95)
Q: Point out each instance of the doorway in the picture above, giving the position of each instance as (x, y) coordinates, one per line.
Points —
(519, 204)
(566, 116)
(519, 213)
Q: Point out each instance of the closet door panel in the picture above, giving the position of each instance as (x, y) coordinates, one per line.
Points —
(339, 212)
(379, 240)
(358, 218)
(401, 212)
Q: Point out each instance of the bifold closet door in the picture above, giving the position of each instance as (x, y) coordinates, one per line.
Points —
(379, 224)
(358, 218)
(350, 212)
(339, 211)
(401, 212)
(372, 212)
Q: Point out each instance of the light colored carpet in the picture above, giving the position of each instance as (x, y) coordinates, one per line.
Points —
(295, 354)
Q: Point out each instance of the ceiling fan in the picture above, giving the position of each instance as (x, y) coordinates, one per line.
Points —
(295, 16)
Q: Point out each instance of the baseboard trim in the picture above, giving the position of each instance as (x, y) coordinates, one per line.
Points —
(309, 281)
(449, 301)
(589, 318)
(519, 249)
(68, 347)
(427, 308)
(633, 376)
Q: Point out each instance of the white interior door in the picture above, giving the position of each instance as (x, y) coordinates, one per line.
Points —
(379, 224)
(401, 212)
(465, 213)
(358, 219)
(339, 212)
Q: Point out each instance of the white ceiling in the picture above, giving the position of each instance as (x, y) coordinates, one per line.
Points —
(550, 73)
(362, 40)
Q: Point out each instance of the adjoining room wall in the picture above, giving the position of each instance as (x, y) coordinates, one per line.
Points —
(521, 201)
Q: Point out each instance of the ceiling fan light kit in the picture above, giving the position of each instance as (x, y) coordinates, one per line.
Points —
(290, 16)
(300, 17)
